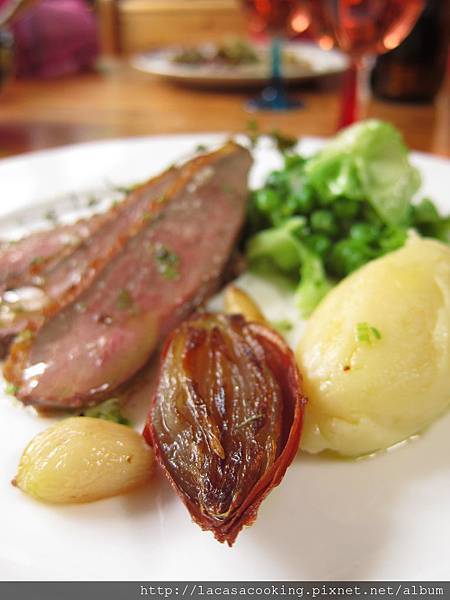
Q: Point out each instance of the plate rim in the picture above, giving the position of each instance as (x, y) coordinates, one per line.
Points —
(214, 135)
(17, 563)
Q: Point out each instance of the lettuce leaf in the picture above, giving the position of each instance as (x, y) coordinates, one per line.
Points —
(280, 248)
(367, 161)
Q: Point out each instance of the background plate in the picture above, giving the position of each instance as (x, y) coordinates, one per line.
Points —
(381, 518)
(321, 63)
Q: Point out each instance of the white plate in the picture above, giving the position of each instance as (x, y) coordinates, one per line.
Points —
(321, 62)
(381, 518)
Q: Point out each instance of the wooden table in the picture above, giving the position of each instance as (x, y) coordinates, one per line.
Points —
(43, 114)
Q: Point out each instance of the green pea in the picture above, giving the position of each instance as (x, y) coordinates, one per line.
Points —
(346, 256)
(364, 232)
(256, 218)
(320, 244)
(443, 230)
(293, 161)
(277, 219)
(278, 180)
(392, 238)
(297, 227)
(304, 201)
(267, 200)
(344, 208)
(288, 207)
(425, 213)
(322, 221)
(370, 216)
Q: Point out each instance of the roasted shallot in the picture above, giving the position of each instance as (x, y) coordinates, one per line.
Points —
(226, 418)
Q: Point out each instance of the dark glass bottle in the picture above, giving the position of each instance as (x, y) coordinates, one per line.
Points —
(415, 70)
(6, 56)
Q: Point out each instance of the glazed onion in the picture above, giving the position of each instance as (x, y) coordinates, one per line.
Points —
(226, 418)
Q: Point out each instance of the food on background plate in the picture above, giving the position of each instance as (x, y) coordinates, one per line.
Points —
(81, 459)
(226, 417)
(233, 52)
(375, 356)
(321, 217)
(171, 265)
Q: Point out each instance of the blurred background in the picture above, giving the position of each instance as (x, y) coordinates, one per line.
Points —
(79, 70)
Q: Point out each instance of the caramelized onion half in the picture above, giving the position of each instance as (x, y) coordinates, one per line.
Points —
(226, 418)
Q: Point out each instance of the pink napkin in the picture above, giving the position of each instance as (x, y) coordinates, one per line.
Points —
(55, 38)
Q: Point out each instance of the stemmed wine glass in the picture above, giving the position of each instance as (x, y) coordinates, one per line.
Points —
(360, 28)
(272, 17)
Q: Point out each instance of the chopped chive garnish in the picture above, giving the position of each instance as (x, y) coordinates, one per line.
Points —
(366, 333)
(227, 189)
(17, 309)
(37, 261)
(92, 201)
(283, 141)
(124, 300)
(167, 262)
(283, 325)
(51, 216)
(80, 307)
(109, 410)
(11, 389)
(24, 336)
(252, 125)
(376, 332)
(253, 132)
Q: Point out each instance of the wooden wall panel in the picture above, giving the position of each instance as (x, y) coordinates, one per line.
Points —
(143, 24)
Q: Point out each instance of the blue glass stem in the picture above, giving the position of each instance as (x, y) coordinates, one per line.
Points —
(275, 56)
(274, 97)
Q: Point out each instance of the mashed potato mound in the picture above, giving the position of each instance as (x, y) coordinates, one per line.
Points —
(376, 353)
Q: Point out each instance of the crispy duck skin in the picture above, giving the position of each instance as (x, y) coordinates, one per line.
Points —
(96, 343)
(69, 273)
(24, 259)
(226, 417)
(69, 277)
